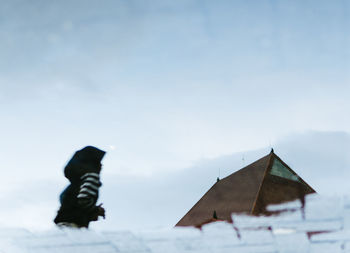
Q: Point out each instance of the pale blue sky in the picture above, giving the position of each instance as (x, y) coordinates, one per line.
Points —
(161, 85)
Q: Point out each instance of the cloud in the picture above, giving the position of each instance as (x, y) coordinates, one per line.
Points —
(161, 199)
(320, 158)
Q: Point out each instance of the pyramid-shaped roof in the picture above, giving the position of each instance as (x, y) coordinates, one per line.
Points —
(266, 181)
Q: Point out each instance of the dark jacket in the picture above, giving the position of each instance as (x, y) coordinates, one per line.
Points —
(78, 200)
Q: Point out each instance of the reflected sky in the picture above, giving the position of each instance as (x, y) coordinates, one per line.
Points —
(170, 81)
(161, 84)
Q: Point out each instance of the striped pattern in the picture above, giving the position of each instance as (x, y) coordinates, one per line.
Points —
(88, 193)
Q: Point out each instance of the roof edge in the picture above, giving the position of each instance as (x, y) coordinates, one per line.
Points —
(177, 224)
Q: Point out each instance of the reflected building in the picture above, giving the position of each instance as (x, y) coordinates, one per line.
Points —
(250, 190)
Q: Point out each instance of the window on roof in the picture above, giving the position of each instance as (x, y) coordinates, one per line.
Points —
(279, 170)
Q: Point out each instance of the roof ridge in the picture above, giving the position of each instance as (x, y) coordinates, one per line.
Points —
(269, 164)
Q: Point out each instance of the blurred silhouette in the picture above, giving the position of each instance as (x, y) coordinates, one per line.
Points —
(78, 200)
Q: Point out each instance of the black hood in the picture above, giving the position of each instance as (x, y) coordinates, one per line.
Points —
(83, 161)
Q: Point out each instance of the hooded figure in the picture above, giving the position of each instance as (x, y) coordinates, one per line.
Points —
(78, 200)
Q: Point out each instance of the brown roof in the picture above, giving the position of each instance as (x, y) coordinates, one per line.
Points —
(248, 190)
